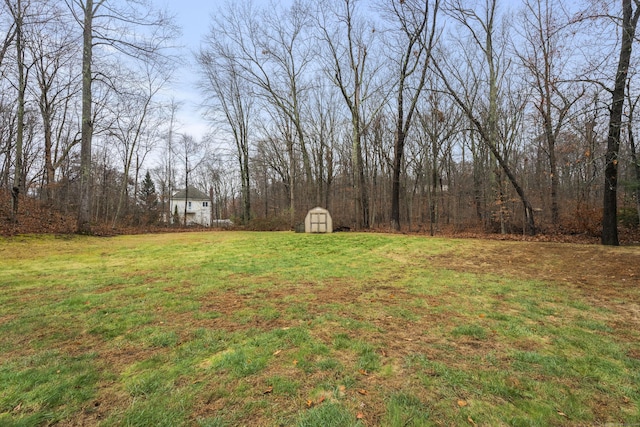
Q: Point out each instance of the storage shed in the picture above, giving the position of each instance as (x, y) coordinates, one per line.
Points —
(318, 220)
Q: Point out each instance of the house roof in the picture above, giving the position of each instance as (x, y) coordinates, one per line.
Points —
(193, 194)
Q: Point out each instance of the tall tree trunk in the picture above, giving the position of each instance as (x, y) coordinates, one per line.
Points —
(415, 58)
(292, 182)
(610, 205)
(169, 166)
(359, 183)
(353, 90)
(306, 161)
(18, 181)
(50, 171)
(186, 189)
(433, 198)
(246, 184)
(398, 152)
(636, 166)
(478, 163)
(84, 208)
(553, 169)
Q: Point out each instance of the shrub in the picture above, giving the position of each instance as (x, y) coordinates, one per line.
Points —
(277, 223)
(628, 217)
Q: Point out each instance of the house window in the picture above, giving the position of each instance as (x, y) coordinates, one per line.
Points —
(189, 205)
(205, 204)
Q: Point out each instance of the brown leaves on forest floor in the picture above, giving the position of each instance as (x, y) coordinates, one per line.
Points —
(587, 265)
(607, 277)
(33, 217)
(37, 217)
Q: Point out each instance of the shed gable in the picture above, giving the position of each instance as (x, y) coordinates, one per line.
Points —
(318, 220)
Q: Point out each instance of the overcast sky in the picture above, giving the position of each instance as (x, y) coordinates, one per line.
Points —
(193, 17)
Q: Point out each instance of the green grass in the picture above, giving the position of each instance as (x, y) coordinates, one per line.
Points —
(234, 328)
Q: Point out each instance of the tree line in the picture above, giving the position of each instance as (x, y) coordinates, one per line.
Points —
(406, 114)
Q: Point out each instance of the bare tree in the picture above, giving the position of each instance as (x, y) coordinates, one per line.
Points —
(9, 36)
(165, 173)
(130, 27)
(273, 51)
(135, 120)
(277, 131)
(54, 68)
(6, 115)
(481, 27)
(416, 21)
(18, 11)
(632, 103)
(438, 124)
(629, 23)
(348, 38)
(541, 55)
(324, 133)
(192, 153)
(211, 176)
(229, 95)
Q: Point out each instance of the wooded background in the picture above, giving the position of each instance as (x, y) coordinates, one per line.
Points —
(500, 116)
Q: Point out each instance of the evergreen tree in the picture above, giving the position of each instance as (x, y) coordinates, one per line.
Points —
(149, 200)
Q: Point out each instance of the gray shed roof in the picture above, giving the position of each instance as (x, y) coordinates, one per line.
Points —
(194, 194)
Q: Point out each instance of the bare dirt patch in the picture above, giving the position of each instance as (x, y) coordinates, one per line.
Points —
(602, 274)
(580, 264)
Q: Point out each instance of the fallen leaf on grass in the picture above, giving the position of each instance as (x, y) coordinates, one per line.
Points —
(342, 390)
(360, 416)
(363, 392)
(471, 421)
(363, 372)
(277, 352)
(295, 362)
(462, 403)
(268, 390)
(562, 414)
(311, 403)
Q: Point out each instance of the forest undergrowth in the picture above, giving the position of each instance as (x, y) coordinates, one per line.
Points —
(36, 217)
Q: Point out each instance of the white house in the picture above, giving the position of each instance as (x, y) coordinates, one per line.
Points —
(198, 204)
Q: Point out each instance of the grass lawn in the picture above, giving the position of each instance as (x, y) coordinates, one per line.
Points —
(348, 329)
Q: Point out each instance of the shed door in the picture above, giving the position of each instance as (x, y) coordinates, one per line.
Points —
(318, 222)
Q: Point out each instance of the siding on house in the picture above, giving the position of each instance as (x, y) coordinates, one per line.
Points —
(198, 207)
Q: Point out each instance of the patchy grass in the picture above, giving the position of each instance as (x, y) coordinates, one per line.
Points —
(226, 329)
